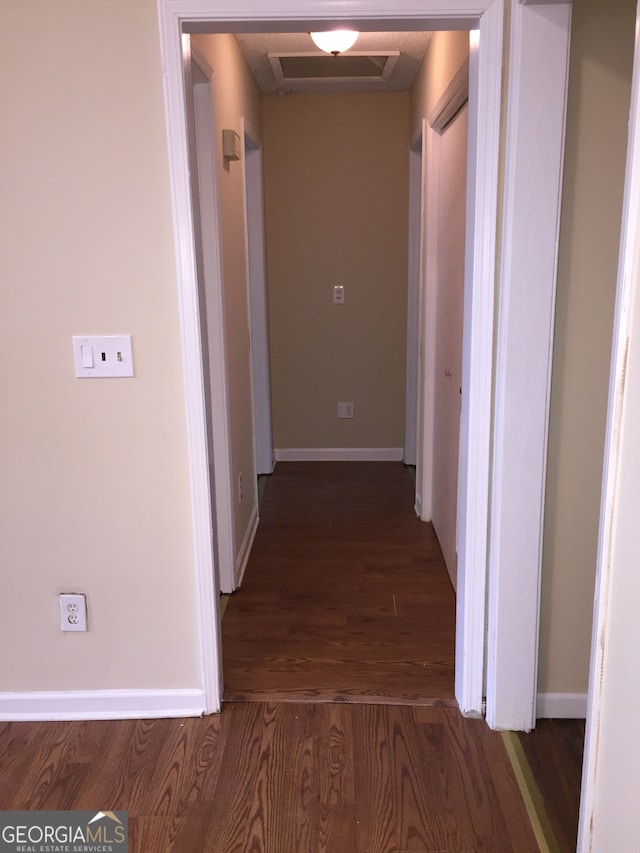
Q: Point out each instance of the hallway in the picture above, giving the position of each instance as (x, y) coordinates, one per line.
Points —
(346, 597)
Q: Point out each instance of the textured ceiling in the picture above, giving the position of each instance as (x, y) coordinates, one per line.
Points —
(257, 46)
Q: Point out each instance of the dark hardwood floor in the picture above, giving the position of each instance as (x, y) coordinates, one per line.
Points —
(346, 596)
(554, 753)
(279, 778)
(343, 737)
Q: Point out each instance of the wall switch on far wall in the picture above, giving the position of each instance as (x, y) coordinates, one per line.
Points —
(338, 294)
(345, 410)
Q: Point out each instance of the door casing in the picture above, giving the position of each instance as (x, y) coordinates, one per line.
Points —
(481, 455)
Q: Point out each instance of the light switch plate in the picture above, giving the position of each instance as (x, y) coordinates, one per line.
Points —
(338, 294)
(103, 356)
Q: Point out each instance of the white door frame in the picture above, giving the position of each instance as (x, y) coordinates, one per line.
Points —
(413, 299)
(536, 120)
(251, 156)
(487, 16)
(205, 343)
(425, 337)
(477, 368)
(428, 318)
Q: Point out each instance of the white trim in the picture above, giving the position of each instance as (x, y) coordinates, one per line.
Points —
(339, 454)
(533, 187)
(177, 52)
(283, 15)
(485, 79)
(414, 259)
(101, 704)
(305, 83)
(453, 99)
(428, 317)
(247, 542)
(561, 706)
(604, 690)
(253, 209)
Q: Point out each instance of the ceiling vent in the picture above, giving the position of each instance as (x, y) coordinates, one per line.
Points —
(352, 67)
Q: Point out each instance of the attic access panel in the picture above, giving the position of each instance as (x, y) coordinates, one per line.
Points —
(355, 66)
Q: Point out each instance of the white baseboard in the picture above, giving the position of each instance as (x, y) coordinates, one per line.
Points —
(245, 549)
(562, 706)
(339, 454)
(100, 705)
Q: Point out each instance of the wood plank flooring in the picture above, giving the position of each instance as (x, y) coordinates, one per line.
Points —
(346, 613)
(346, 595)
(279, 778)
(554, 752)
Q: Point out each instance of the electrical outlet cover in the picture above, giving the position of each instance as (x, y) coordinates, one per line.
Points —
(345, 410)
(73, 612)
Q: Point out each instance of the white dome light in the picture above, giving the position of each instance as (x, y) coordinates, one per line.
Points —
(335, 41)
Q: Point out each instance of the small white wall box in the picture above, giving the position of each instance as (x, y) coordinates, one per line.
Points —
(230, 145)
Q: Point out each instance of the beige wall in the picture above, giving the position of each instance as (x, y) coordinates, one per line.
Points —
(610, 818)
(599, 91)
(94, 493)
(336, 205)
(94, 490)
(236, 96)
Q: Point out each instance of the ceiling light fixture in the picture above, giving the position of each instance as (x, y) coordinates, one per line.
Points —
(335, 41)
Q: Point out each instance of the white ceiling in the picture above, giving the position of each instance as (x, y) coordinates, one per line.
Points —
(411, 45)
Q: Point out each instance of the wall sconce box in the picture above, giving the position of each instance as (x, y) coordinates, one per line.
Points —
(230, 145)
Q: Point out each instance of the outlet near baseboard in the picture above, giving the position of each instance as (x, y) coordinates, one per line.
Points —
(345, 410)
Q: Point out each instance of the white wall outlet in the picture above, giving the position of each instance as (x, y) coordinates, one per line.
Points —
(101, 357)
(73, 612)
(338, 294)
(345, 410)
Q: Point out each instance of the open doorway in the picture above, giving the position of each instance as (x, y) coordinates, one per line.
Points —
(321, 612)
(336, 208)
(533, 26)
